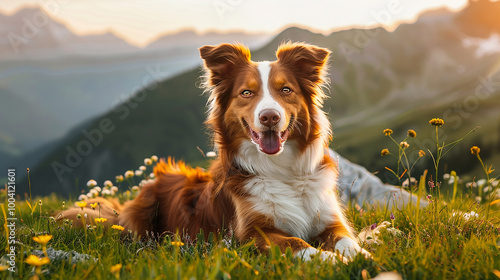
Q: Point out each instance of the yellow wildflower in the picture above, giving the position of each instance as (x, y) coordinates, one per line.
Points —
(36, 261)
(421, 153)
(100, 220)
(42, 239)
(177, 243)
(475, 150)
(384, 152)
(81, 204)
(4, 267)
(93, 205)
(120, 228)
(412, 133)
(436, 122)
(116, 268)
(387, 132)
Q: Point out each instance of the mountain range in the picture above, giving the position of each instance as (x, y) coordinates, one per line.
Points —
(379, 79)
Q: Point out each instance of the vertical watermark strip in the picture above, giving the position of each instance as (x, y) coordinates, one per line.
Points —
(11, 219)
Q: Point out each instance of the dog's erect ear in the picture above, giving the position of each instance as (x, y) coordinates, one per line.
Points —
(307, 60)
(221, 60)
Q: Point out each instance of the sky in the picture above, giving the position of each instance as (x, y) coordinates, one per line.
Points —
(142, 21)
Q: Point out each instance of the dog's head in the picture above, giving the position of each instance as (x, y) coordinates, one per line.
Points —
(266, 102)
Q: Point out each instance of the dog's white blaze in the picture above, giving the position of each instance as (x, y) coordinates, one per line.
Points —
(267, 101)
(291, 188)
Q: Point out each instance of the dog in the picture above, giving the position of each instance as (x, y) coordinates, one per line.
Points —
(273, 180)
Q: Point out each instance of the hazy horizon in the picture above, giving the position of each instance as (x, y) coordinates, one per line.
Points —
(141, 23)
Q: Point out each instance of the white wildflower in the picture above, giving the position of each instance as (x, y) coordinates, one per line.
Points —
(108, 183)
(371, 235)
(138, 172)
(148, 161)
(471, 184)
(452, 180)
(82, 197)
(129, 174)
(472, 214)
(481, 182)
(91, 183)
(413, 182)
(394, 231)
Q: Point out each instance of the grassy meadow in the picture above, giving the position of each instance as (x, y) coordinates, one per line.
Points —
(455, 237)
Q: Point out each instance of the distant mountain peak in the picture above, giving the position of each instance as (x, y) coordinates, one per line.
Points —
(28, 11)
(32, 32)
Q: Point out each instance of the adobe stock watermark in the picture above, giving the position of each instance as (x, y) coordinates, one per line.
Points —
(223, 6)
(11, 219)
(31, 26)
(362, 38)
(94, 137)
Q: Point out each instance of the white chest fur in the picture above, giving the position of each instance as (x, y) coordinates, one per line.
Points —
(291, 189)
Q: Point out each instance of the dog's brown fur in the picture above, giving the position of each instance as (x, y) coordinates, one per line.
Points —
(187, 200)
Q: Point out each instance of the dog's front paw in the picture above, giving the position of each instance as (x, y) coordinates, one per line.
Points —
(365, 253)
(308, 254)
(349, 249)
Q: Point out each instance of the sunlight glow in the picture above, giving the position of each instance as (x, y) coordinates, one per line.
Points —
(140, 22)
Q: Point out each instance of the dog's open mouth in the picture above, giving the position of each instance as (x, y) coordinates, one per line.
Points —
(270, 141)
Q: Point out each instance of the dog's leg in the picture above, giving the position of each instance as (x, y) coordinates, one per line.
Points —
(139, 214)
(265, 236)
(338, 238)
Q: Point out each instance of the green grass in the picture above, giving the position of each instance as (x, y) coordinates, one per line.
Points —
(433, 245)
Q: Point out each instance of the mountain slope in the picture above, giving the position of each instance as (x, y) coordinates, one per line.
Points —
(16, 137)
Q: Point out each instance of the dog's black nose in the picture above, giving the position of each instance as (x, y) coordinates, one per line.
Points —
(269, 117)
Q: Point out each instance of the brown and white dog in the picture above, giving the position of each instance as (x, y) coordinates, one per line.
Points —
(273, 179)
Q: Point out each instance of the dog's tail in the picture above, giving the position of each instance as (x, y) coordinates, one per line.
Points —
(140, 215)
(109, 209)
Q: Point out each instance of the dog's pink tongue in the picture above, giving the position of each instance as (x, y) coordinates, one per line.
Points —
(270, 143)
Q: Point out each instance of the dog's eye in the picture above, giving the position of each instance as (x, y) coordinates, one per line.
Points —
(286, 90)
(246, 93)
